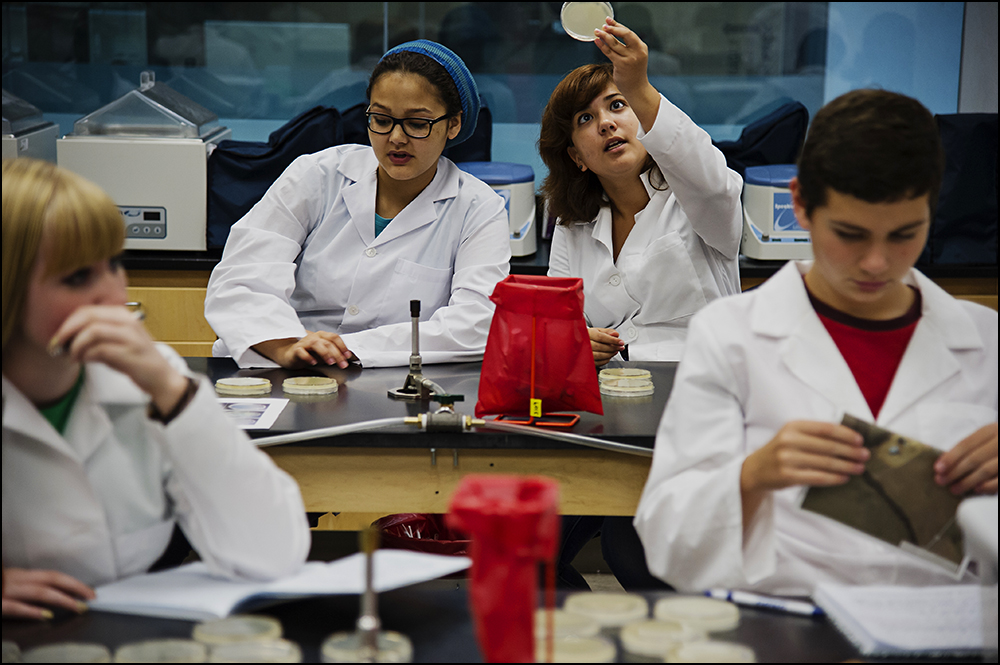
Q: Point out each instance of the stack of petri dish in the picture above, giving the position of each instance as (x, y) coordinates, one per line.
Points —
(711, 651)
(246, 638)
(243, 386)
(626, 382)
(611, 611)
(718, 618)
(571, 649)
(309, 386)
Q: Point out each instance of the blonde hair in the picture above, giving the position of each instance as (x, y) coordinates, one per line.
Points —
(78, 222)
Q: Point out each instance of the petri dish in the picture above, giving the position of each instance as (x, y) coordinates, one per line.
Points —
(611, 611)
(650, 641)
(708, 614)
(711, 652)
(11, 652)
(68, 652)
(580, 19)
(309, 385)
(345, 647)
(615, 373)
(257, 651)
(566, 624)
(577, 650)
(237, 628)
(243, 386)
(171, 650)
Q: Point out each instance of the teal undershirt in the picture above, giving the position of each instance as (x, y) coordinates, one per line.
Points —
(380, 224)
(58, 413)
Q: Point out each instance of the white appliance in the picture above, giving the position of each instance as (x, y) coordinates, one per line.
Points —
(25, 132)
(149, 151)
(770, 229)
(515, 183)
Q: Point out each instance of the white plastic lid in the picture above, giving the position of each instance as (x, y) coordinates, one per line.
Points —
(576, 650)
(627, 387)
(257, 651)
(580, 19)
(566, 624)
(309, 385)
(708, 614)
(711, 652)
(656, 638)
(243, 385)
(237, 628)
(608, 609)
(162, 651)
(67, 652)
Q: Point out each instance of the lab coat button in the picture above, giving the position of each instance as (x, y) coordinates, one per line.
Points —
(353, 310)
(370, 252)
(615, 280)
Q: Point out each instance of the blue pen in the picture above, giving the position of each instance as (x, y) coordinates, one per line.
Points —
(748, 599)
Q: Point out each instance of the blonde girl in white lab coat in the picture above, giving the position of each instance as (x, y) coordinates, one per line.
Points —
(649, 215)
(753, 416)
(108, 442)
(322, 269)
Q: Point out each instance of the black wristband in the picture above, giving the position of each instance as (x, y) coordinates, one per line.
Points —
(154, 413)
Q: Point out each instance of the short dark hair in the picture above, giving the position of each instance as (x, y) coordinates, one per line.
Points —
(874, 145)
(418, 63)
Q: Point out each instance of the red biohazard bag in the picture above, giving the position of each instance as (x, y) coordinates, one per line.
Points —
(421, 532)
(538, 358)
(514, 523)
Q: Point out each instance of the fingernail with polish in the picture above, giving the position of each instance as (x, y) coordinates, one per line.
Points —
(81, 607)
(47, 614)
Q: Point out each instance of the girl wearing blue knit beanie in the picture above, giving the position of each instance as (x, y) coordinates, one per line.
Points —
(322, 269)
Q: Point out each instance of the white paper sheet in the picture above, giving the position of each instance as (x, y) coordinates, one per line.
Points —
(253, 412)
(190, 593)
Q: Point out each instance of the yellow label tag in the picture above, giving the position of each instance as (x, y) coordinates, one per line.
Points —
(536, 408)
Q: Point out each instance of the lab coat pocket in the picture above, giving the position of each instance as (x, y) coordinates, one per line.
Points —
(663, 278)
(138, 550)
(943, 424)
(412, 281)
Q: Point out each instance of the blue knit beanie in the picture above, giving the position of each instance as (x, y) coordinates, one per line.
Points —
(460, 74)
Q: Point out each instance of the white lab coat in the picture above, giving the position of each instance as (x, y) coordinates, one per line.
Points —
(100, 502)
(681, 254)
(764, 358)
(306, 258)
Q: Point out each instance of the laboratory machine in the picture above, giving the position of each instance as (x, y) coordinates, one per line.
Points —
(149, 150)
(770, 229)
(25, 132)
(515, 183)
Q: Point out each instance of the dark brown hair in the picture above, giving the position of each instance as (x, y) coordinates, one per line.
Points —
(574, 196)
(418, 63)
(874, 145)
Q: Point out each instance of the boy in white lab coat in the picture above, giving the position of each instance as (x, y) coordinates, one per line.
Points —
(752, 419)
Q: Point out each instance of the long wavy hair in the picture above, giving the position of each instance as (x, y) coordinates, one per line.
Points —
(575, 196)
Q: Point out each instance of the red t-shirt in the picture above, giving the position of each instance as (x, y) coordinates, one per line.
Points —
(872, 349)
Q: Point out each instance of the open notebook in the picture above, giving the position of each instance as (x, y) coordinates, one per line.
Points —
(918, 621)
(191, 593)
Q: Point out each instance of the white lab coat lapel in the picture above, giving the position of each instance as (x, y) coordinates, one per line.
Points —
(21, 416)
(359, 195)
(422, 210)
(90, 424)
(602, 228)
(929, 359)
(808, 351)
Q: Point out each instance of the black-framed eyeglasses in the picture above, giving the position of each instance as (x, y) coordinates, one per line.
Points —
(415, 128)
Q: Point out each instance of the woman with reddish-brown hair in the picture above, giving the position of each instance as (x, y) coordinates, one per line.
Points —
(649, 216)
(648, 213)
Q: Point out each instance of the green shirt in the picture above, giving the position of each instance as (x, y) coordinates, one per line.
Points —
(58, 413)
